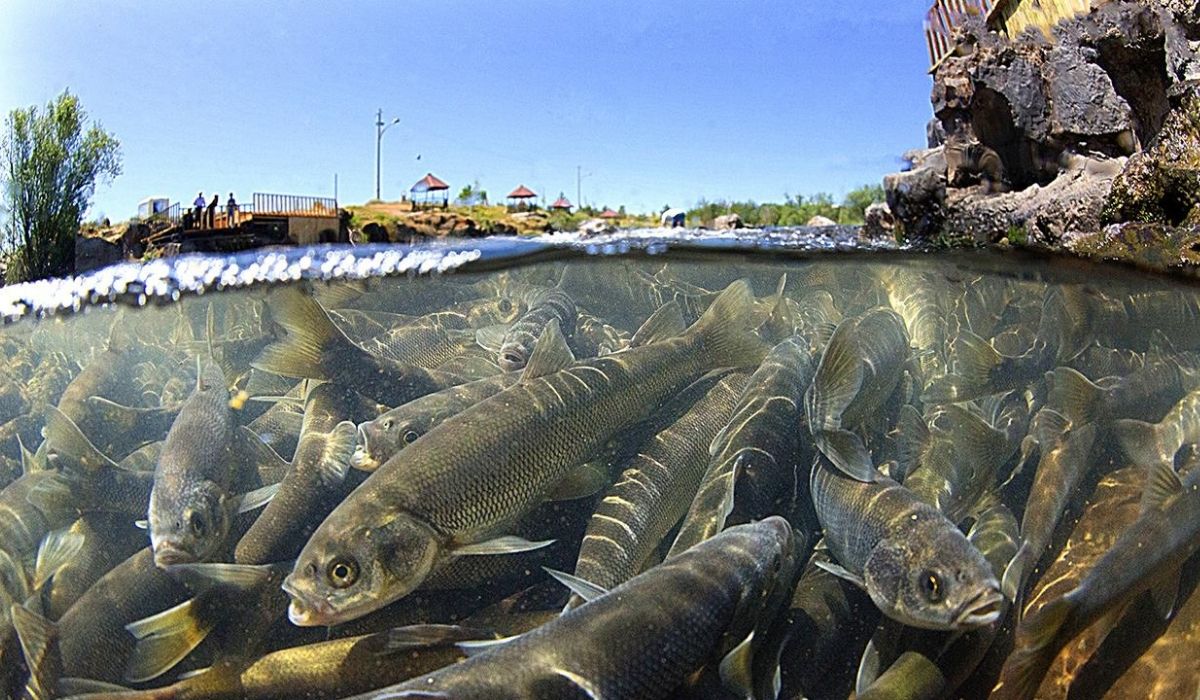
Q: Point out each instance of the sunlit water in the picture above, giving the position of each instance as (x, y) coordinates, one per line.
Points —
(992, 344)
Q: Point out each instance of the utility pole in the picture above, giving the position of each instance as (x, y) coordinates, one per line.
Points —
(380, 128)
(579, 185)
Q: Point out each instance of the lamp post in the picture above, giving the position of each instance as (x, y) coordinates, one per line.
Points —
(579, 175)
(380, 128)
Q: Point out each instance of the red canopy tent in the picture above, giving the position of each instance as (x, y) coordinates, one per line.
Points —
(561, 203)
(609, 214)
(428, 187)
(520, 197)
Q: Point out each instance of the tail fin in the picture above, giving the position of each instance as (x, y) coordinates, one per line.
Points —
(1146, 443)
(725, 332)
(164, 640)
(1074, 395)
(64, 438)
(1035, 650)
(974, 359)
(38, 636)
(312, 340)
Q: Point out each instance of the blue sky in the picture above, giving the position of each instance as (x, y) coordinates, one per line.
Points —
(661, 102)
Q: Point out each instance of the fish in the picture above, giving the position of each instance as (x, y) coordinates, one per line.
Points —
(1147, 555)
(470, 477)
(1147, 393)
(754, 461)
(916, 565)
(192, 502)
(1149, 443)
(314, 348)
(653, 491)
(517, 342)
(647, 637)
(315, 482)
(1064, 461)
(426, 342)
(860, 368)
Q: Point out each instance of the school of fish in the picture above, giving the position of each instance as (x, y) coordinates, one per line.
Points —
(628, 478)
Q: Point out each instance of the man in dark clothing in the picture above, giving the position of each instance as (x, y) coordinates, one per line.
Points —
(211, 214)
(231, 207)
(199, 206)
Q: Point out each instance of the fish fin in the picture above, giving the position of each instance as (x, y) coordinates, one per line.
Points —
(724, 329)
(737, 668)
(70, 687)
(841, 572)
(1144, 443)
(912, 437)
(666, 322)
(820, 336)
(37, 637)
(257, 498)
(508, 544)
(202, 577)
(1035, 652)
(475, 647)
(490, 338)
(1074, 395)
(133, 415)
(28, 461)
(294, 400)
(581, 482)
(51, 494)
(868, 668)
(781, 321)
(1049, 428)
(975, 441)
(335, 457)
(838, 379)
(975, 358)
(425, 636)
(336, 295)
(311, 337)
(260, 458)
(1162, 484)
(1013, 579)
(164, 639)
(581, 587)
(550, 354)
(65, 438)
(195, 672)
(847, 452)
(56, 550)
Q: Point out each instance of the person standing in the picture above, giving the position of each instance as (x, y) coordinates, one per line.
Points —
(198, 218)
(211, 214)
(231, 208)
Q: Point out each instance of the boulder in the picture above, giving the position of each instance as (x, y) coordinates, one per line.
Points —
(1162, 183)
(595, 227)
(727, 222)
(819, 220)
(95, 252)
(917, 199)
(878, 222)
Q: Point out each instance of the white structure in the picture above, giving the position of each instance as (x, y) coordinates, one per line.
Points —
(153, 206)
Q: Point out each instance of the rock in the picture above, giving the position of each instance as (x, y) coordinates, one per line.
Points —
(1162, 183)
(595, 227)
(94, 253)
(819, 220)
(727, 222)
(916, 199)
(878, 222)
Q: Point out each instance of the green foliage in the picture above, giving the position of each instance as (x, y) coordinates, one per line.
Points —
(472, 195)
(1017, 235)
(51, 161)
(793, 211)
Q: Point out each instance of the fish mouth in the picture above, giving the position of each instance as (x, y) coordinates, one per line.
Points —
(511, 359)
(983, 609)
(362, 459)
(168, 553)
(304, 611)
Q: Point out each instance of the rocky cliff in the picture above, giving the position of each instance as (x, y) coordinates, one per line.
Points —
(1042, 138)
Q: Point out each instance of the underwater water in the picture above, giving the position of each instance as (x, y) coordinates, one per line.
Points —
(621, 469)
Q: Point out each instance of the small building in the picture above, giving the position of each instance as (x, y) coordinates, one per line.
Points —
(153, 207)
(521, 198)
(430, 192)
(608, 213)
(561, 204)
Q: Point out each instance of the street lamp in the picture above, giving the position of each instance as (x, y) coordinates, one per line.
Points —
(579, 175)
(380, 127)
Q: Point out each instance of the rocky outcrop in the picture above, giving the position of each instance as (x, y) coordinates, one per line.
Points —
(92, 253)
(595, 227)
(727, 222)
(1029, 133)
(819, 220)
(878, 222)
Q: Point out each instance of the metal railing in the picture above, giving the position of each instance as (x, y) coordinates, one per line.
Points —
(292, 205)
(943, 18)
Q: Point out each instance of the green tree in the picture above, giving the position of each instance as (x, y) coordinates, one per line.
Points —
(854, 207)
(51, 162)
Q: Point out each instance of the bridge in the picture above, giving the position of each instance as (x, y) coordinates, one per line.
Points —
(268, 219)
(1007, 17)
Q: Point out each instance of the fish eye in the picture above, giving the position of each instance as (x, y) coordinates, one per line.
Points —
(196, 524)
(410, 436)
(931, 586)
(342, 573)
(504, 305)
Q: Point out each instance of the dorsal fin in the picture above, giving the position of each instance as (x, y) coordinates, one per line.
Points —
(666, 322)
(550, 354)
(1162, 484)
